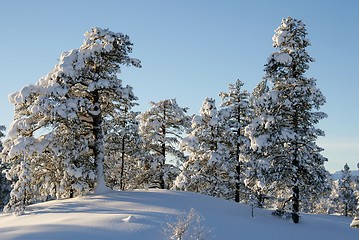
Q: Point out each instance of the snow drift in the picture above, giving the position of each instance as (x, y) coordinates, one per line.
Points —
(143, 215)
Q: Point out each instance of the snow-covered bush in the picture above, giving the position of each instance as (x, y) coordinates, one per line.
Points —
(187, 227)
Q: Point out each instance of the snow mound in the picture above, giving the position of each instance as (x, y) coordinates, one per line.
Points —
(355, 223)
(141, 215)
(129, 219)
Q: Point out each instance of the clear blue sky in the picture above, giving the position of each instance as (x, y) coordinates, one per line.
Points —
(193, 49)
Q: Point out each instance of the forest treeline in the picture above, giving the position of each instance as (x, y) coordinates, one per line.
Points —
(76, 131)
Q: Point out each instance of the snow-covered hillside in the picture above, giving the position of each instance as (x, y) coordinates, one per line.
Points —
(143, 214)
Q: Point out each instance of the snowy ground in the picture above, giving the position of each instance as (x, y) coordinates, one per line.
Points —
(142, 215)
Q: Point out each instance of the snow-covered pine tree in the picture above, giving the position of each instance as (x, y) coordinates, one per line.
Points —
(260, 89)
(5, 186)
(161, 128)
(207, 169)
(356, 180)
(256, 163)
(67, 170)
(285, 133)
(123, 148)
(355, 222)
(78, 95)
(235, 115)
(322, 204)
(346, 200)
(21, 194)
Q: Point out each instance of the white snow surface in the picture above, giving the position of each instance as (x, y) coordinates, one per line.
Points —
(142, 214)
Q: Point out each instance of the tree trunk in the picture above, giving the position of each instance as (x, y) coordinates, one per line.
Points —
(123, 152)
(295, 206)
(98, 146)
(163, 147)
(72, 193)
(122, 187)
(163, 160)
(295, 163)
(72, 190)
(238, 167)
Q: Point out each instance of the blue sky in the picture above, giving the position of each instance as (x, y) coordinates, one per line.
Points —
(193, 49)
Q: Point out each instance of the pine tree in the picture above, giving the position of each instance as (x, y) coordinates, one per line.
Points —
(5, 186)
(161, 128)
(346, 200)
(356, 180)
(72, 172)
(235, 115)
(20, 195)
(70, 104)
(207, 169)
(284, 134)
(355, 222)
(257, 164)
(123, 150)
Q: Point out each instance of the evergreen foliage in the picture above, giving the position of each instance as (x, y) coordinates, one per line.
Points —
(346, 200)
(75, 131)
(161, 128)
(207, 169)
(123, 152)
(59, 121)
(5, 186)
(235, 115)
(284, 131)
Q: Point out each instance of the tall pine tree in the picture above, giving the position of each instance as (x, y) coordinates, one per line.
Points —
(207, 169)
(285, 133)
(5, 186)
(71, 103)
(235, 115)
(162, 127)
(346, 199)
(123, 150)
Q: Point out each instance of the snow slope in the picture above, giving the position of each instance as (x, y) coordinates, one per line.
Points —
(142, 214)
